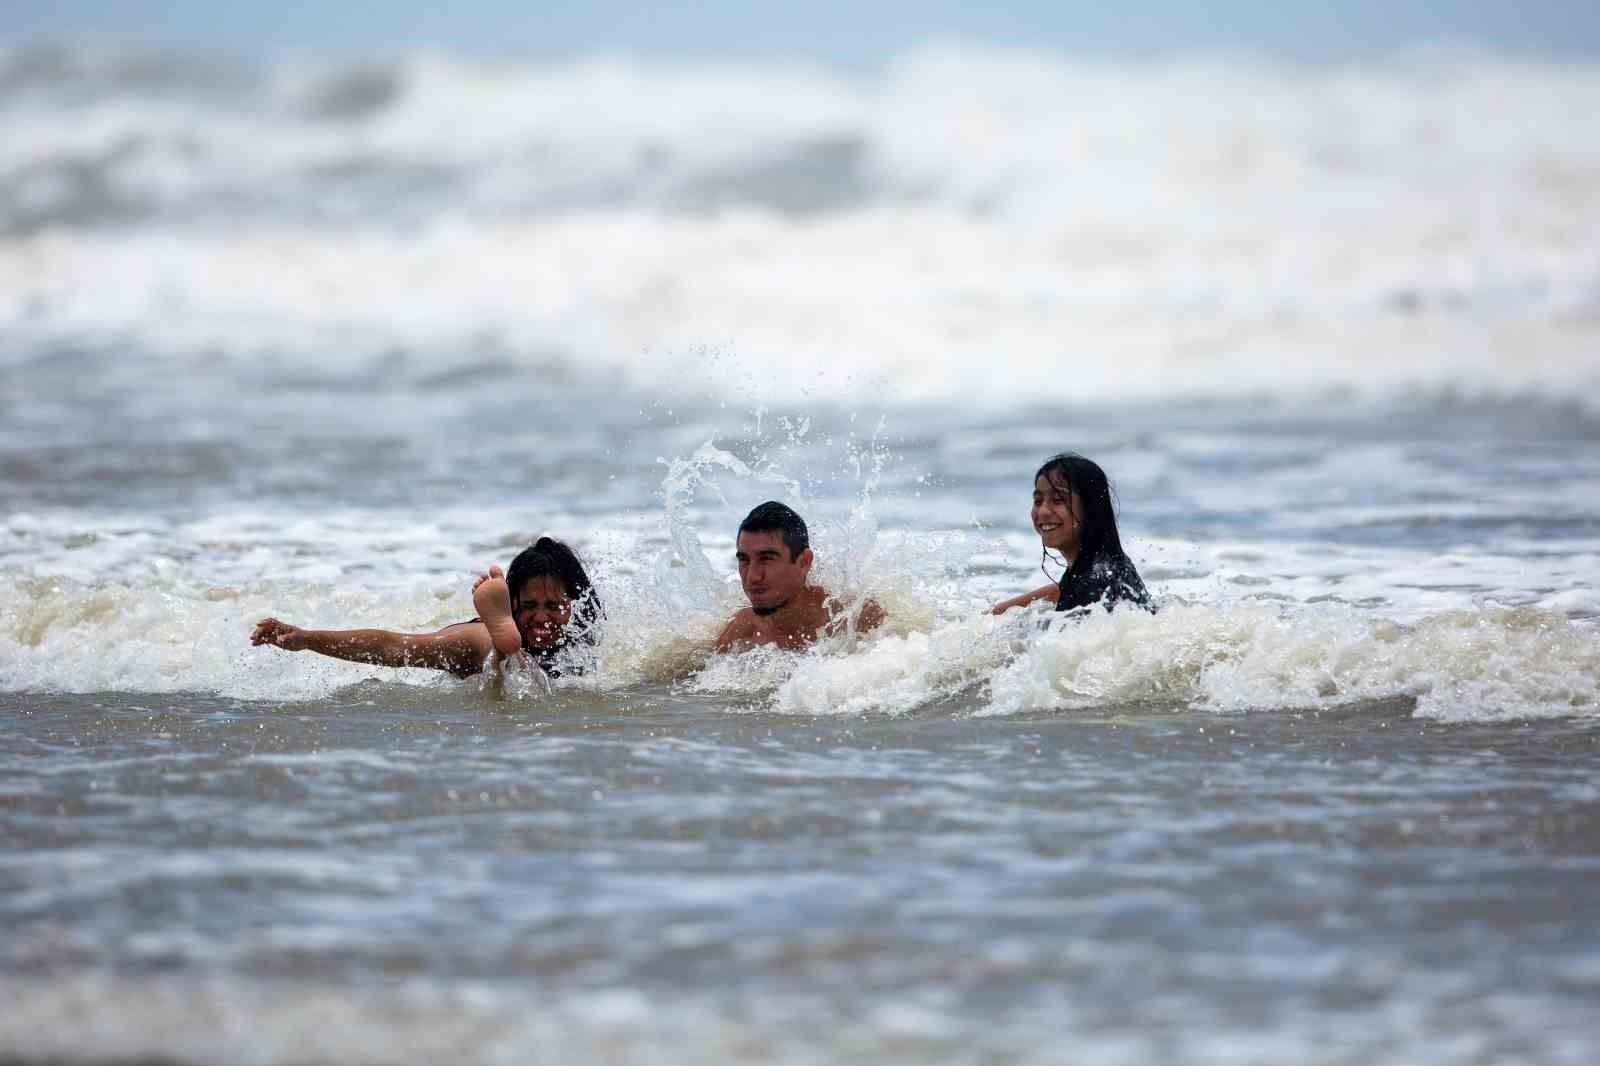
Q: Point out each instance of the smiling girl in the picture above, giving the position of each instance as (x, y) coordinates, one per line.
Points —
(1074, 517)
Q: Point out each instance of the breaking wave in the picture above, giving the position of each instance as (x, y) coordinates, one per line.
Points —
(966, 223)
(936, 654)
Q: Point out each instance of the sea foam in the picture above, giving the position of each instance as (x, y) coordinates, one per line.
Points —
(936, 652)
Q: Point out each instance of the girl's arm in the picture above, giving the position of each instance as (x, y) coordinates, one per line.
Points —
(1043, 592)
(459, 649)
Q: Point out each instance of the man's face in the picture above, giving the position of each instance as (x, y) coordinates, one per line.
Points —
(771, 578)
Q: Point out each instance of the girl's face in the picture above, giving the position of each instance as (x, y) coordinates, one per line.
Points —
(542, 612)
(1057, 516)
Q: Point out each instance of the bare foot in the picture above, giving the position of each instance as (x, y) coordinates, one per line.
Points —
(492, 599)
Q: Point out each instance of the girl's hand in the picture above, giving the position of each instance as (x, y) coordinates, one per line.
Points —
(279, 635)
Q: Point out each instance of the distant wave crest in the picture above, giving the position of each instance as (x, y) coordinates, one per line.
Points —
(964, 223)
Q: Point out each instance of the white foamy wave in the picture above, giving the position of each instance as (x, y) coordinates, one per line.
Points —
(1240, 656)
(58, 635)
(148, 604)
(1492, 664)
(965, 224)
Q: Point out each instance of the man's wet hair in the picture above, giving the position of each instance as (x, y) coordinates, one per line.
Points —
(548, 557)
(774, 517)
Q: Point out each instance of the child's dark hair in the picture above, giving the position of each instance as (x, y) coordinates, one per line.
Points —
(548, 557)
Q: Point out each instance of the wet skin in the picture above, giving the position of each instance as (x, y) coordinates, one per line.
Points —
(784, 610)
(537, 619)
(541, 611)
(1057, 516)
(770, 576)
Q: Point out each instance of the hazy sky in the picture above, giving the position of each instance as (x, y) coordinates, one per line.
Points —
(835, 31)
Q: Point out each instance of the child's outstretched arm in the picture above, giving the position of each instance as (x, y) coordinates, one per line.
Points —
(459, 649)
(1043, 592)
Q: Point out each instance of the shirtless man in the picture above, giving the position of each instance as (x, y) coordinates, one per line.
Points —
(774, 554)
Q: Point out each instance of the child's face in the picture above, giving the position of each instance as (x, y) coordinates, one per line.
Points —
(1057, 515)
(542, 612)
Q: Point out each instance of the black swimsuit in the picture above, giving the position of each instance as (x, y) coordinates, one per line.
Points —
(1110, 580)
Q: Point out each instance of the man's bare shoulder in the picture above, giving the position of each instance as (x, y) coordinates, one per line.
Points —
(868, 616)
(739, 630)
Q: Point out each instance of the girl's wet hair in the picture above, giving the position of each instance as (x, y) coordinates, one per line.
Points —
(1097, 534)
(548, 557)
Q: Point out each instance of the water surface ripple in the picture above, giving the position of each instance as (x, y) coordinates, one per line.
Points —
(1148, 879)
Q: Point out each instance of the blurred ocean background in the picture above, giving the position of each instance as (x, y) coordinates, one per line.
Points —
(316, 314)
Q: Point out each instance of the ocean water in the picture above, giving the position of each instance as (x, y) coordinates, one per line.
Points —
(322, 341)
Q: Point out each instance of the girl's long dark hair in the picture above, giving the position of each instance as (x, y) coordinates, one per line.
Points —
(548, 557)
(1097, 534)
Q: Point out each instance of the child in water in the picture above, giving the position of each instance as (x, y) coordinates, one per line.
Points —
(1074, 517)
(544, 605)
